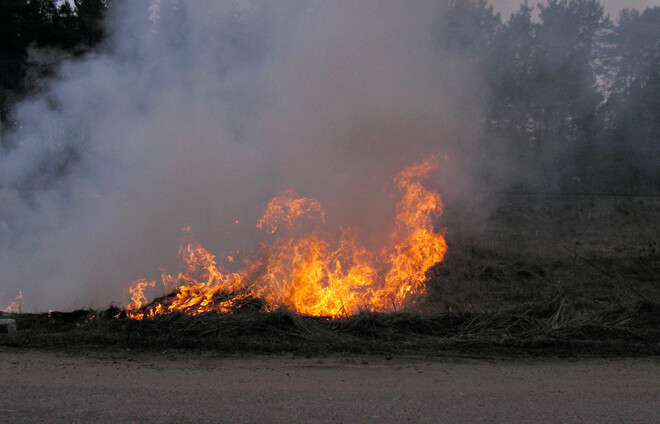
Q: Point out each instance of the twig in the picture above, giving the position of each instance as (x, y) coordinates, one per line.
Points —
(343, 307)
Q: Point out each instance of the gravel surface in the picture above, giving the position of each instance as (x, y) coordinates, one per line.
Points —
(123, 387)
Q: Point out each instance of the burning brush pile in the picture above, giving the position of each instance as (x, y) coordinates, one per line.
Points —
(306, 274)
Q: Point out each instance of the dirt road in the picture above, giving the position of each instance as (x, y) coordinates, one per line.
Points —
(47, 387)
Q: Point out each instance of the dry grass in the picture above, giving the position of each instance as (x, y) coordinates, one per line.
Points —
(563, 325)
(536, 277)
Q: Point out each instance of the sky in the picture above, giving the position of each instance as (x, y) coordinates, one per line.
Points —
(506, 7)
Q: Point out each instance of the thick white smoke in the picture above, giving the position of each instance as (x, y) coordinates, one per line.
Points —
(197, 113)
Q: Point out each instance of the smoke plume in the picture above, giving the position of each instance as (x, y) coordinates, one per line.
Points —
(197, 113)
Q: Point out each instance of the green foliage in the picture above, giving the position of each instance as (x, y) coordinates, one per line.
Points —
(469, 26)
(567, 90)
(43, 24)
(543, 84)
(632, 112)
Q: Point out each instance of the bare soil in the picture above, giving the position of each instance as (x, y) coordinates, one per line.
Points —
(199, 387)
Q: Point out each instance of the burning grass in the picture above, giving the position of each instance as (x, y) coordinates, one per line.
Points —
(580, 287)
(303, 272)
(563, 325)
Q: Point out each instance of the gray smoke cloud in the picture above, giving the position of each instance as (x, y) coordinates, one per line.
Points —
(197, 113)
(612, 7)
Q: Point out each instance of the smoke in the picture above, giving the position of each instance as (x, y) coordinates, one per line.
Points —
(612, 7)
(197, 113)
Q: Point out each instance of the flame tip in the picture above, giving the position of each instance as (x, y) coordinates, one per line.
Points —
(307, 274)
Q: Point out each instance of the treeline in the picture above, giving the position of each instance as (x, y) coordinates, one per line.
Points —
(63, 27)
(572, 95)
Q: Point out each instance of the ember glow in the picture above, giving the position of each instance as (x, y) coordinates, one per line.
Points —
(306, 273)
(16, 304)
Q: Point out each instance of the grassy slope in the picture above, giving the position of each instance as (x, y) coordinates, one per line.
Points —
(537, 276)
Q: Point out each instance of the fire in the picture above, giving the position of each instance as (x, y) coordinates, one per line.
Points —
(16, 305)
(287, 208)
(308, 274)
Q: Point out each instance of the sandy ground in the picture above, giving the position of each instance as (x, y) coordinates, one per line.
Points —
(47, 387)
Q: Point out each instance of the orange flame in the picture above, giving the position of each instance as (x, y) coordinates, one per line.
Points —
(307, 274)
(287, 208)
(16, 305)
